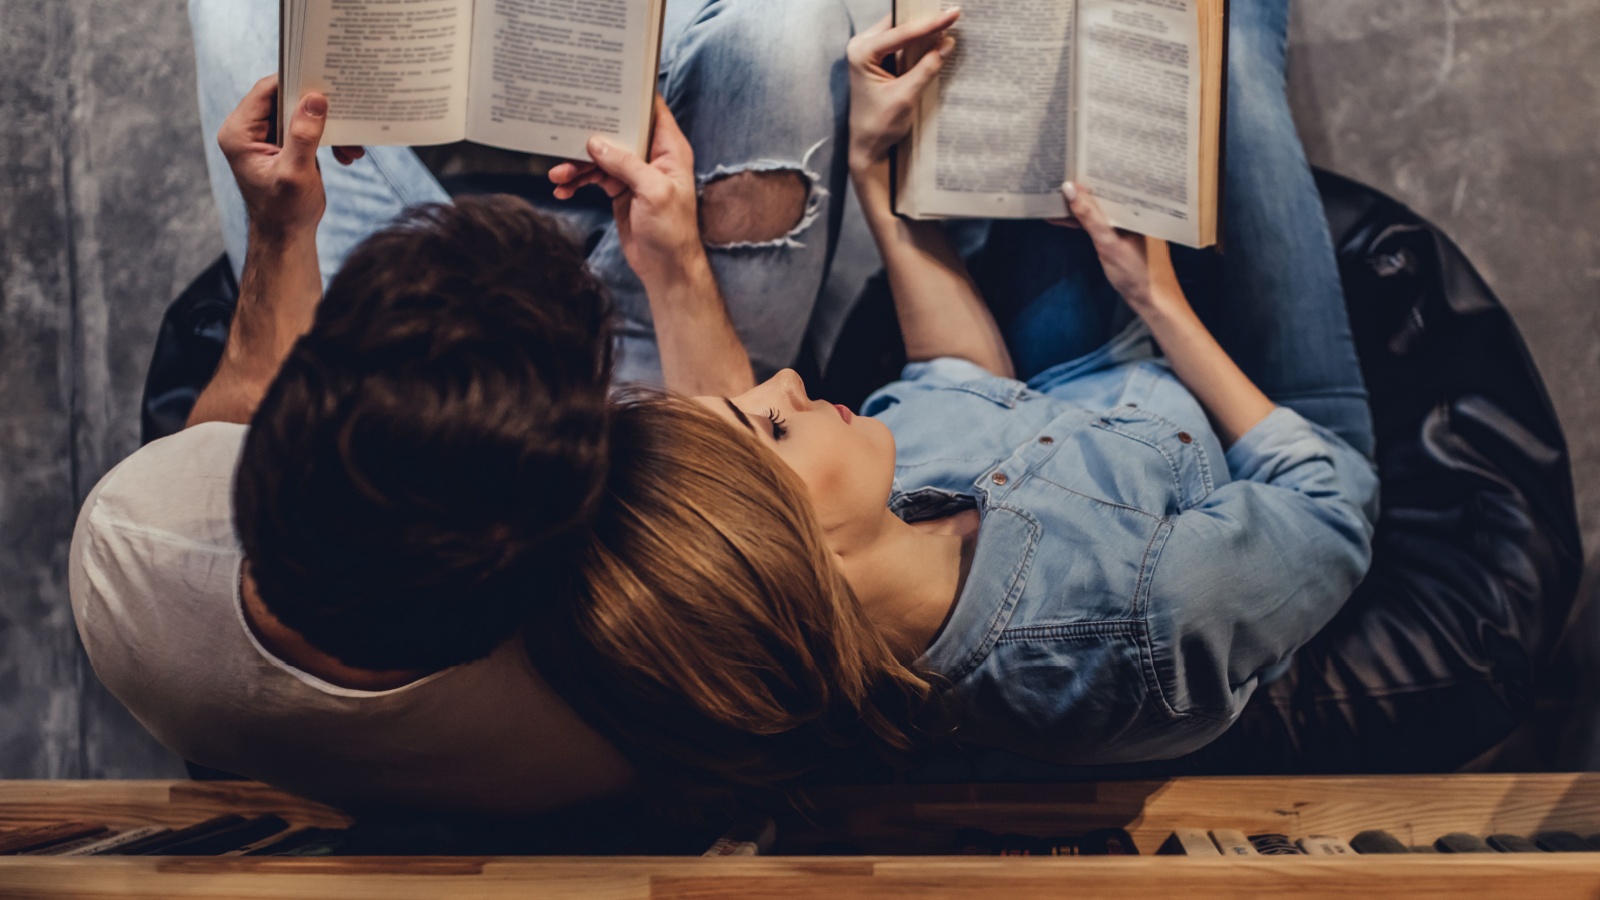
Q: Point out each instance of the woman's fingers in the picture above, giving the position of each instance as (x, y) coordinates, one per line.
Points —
(871, 46)
(1089, 215)
(923, 73)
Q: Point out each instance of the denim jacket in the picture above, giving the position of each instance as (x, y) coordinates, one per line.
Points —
(1133, 582)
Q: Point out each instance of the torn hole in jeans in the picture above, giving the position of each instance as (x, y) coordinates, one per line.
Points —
(760, 204)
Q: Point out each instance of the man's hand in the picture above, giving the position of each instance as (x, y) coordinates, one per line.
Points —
(882, 105)
(282, 186)
(655, 204)
(656, 208)
(1139, 267)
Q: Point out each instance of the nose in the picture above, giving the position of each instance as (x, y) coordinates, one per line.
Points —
(785, 391)
(793, 387)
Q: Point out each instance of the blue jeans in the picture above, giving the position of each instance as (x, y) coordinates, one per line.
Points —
(1272, 297)
(755, 86)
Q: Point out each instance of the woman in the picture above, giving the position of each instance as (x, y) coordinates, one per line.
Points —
(1098, 564)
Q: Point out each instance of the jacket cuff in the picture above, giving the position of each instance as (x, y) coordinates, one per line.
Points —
(1283, 435)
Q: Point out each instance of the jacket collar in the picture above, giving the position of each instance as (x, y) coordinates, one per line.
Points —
(1008, 538)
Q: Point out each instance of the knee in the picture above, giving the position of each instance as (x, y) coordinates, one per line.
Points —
(755, 207)
(762, 38)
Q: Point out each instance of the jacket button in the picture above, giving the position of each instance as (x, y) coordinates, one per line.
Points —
(999, 478)
(1185, 437)
(1047, 439)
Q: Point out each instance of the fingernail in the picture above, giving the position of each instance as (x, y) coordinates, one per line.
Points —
(315, 106)
(947, 45)
(598, 147)
(1070, 190)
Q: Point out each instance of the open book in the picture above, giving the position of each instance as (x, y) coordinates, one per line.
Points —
(539, 76)
(1124, 96)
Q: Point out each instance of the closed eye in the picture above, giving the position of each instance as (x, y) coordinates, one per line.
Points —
(779, 430)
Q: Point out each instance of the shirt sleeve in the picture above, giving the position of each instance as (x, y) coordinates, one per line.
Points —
(1253, 572)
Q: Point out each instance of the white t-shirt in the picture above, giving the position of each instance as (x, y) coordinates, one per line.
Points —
(155, 587)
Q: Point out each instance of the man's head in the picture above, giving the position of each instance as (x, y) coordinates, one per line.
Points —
(431, 449)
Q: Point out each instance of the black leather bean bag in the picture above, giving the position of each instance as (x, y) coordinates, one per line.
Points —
(1477, 555)
(1476, 558)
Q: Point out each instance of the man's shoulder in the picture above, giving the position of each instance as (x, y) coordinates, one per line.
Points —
(180, 488)
(158, 528)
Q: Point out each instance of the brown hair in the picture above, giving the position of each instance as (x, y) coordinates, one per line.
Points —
(436, 444)
(710, 634)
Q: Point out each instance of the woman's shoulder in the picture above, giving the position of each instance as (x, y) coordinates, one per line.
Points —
(934, 378)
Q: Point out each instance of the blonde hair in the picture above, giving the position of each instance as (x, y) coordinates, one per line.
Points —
(708, 631)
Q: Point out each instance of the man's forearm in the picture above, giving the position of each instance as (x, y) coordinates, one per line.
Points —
(278, 295)
(701, 353)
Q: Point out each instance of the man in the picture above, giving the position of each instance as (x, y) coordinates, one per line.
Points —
(328, 599)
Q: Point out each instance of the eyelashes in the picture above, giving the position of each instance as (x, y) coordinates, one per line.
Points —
(779, 430)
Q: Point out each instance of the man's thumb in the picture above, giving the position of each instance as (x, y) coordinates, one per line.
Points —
(305, 130)
(621, 164)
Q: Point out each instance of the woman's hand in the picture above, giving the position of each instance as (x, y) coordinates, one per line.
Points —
(655, 204)
(1139, 267)
(881, 104)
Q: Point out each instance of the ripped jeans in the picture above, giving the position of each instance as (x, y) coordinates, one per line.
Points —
(757, 86)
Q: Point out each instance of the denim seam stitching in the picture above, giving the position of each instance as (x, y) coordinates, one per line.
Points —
(1067, 630)
(1002, 615)
(1177, 479)
(1203, 463)
(945, 459)
(1152, 557)
(1093, 499)
(1152, 554)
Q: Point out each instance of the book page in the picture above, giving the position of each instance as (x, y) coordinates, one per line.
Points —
(995, 127)
(395, 71)
(1139, 113)
(550, 73)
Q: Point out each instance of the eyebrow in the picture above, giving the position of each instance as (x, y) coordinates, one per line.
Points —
(739, 414)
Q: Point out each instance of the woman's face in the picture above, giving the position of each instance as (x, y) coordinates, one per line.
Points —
(846, 461)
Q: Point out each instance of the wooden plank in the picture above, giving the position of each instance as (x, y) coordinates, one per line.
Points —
(1511, 876)
(1415, 809)
(921, 819)
(127, 804)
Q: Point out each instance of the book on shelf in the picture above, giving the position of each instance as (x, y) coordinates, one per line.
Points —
(1124, 96)
(538, 76)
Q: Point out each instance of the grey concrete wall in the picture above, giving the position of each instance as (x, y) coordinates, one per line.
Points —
(1484, 115)
(104, 215)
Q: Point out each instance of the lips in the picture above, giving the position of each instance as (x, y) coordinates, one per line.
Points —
(844, 412)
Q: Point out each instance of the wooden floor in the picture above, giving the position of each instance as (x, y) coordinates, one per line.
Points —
(907, 818)
(825, 878)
